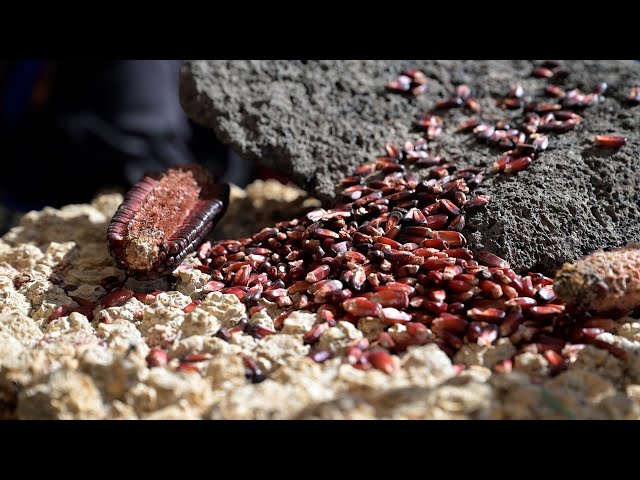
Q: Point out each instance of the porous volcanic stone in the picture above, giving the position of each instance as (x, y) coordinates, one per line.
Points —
(317, 120)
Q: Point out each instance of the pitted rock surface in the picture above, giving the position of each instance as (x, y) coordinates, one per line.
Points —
(316, 121)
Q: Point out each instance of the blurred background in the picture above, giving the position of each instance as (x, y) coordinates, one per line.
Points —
(71, 129)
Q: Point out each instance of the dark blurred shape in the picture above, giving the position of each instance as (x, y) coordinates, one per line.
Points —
(69, 129)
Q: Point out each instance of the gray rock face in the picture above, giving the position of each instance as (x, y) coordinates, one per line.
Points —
(316, 121)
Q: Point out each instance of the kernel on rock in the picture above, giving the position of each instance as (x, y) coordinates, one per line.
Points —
(307, 316)
(602, 280)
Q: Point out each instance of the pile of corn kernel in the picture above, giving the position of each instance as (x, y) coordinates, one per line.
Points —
(74, 368)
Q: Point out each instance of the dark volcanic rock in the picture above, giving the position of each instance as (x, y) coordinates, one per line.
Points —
(318, 120)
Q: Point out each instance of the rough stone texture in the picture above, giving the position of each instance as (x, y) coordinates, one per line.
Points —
(73, 368)
(317, 120)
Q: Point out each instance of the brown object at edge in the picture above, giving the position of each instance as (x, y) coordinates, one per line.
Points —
(602, 281)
